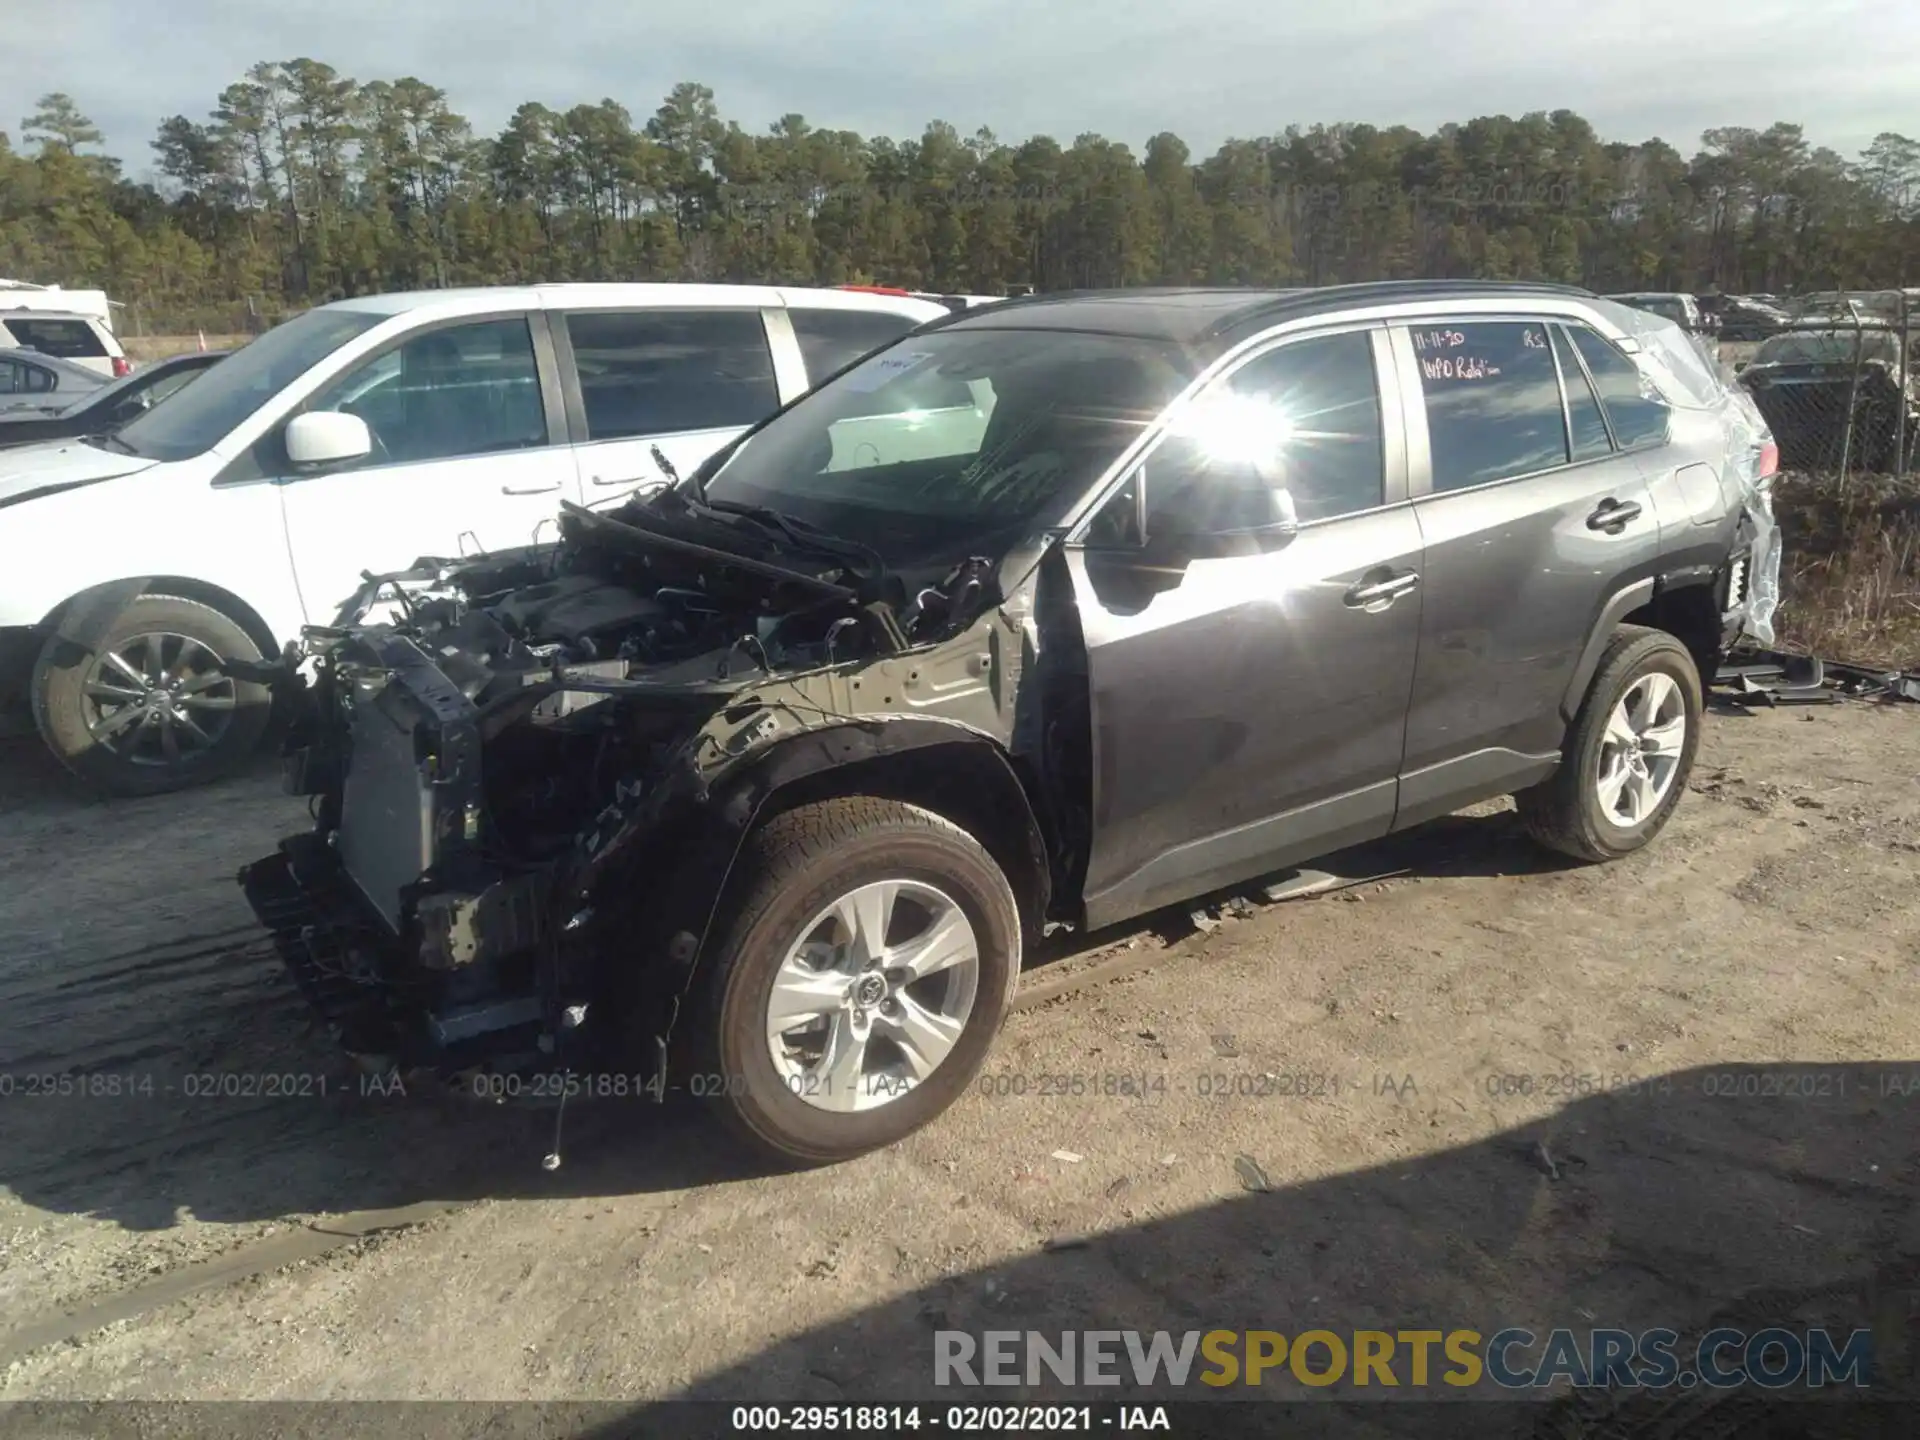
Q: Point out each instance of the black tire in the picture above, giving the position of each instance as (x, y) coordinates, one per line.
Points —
(1564, 812)
(138, 765)
(793, 868)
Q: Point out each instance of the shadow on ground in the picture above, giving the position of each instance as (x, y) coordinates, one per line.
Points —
(1742, 1196)
(243, 1112)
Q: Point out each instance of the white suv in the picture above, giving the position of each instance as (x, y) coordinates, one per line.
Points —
(74, 337)
(359, 437)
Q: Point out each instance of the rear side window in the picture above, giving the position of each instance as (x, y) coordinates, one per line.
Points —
(1639, 417)
(1493, 401)
(654, 372)
(63, 339)
(19, 378)
(830, 340)
(1588, 425)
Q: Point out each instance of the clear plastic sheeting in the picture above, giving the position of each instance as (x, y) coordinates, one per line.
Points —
(1683, 370)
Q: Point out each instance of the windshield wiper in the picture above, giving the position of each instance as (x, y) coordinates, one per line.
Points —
(800, 534)
(109, 441)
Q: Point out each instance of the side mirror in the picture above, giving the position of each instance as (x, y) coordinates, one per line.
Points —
(327, 437)
(1268, 524)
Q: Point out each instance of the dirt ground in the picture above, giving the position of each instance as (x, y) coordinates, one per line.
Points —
(1775, 927)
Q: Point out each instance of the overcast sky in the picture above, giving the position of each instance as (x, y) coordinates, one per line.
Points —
(1205, 69)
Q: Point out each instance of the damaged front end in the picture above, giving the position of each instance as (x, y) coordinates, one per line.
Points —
(531, 775)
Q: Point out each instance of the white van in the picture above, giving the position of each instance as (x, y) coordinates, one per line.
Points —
(358, 437)
(66, 335)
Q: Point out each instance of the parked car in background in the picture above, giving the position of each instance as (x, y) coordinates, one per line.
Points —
(950, 302)
(31, 381)
(1052, 613)
(1683, 310)
(358, 436)
(79, 338)
(1808, 380)
(103, 409)
(1744, 318)
(25, 295)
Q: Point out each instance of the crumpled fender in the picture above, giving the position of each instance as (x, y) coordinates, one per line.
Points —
(684, 835)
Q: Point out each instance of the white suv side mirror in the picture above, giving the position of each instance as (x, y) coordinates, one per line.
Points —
(327, 437)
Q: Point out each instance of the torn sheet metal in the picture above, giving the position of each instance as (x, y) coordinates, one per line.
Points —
(1681, 369)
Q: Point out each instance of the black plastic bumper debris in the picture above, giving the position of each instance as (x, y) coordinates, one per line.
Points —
(1773, 678)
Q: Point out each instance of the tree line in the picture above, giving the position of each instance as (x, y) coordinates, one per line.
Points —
(302, 184)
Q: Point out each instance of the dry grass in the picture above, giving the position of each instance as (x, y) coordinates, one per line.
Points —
(159, 347)
(1850, 579)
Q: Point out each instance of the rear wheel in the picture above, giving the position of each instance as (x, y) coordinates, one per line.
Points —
(148, 711)
(869, 964)
(1628, 755)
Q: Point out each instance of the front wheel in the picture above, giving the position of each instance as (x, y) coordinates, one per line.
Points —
(870, 962)
(1628, 755)
(149, 711)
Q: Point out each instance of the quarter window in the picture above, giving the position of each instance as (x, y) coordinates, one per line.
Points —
(1492, 399)
(655, 372)
(1638, 413)
(462, 390)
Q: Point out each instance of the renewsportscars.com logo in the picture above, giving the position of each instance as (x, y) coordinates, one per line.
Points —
(1510, 1359)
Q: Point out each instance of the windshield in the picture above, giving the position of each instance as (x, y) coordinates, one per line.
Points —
(1826, 347)
(947, 442)
(200, 416)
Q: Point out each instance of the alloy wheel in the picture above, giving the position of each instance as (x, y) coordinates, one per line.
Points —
(158, 699)
(1640, 753)
(874, 995)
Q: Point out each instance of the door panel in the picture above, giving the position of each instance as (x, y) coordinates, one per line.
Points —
(1249, 717)
(462, 462)
(1516, 569)
(1249, 708)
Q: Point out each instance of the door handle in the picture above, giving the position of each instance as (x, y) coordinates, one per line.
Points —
(1382, 591)
(528, 490)
(1612, 515)
(617, 480)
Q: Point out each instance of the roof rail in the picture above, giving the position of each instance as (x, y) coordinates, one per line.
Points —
(1361, 292)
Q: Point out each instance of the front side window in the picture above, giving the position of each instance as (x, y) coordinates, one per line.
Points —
(1638, 413)
(456, 391)
(1303, 418)
(167, 385)
(62, 339)
(884, 454)
(831, 340)
(11, 378)
(657, 372)
(207, 411)
(1493, 400)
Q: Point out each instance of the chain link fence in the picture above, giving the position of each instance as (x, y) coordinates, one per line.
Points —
(1838, 385)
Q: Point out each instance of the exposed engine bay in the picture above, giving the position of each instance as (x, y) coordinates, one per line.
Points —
(484, 738)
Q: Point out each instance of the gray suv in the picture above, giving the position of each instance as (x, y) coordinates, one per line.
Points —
(1045, 616)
